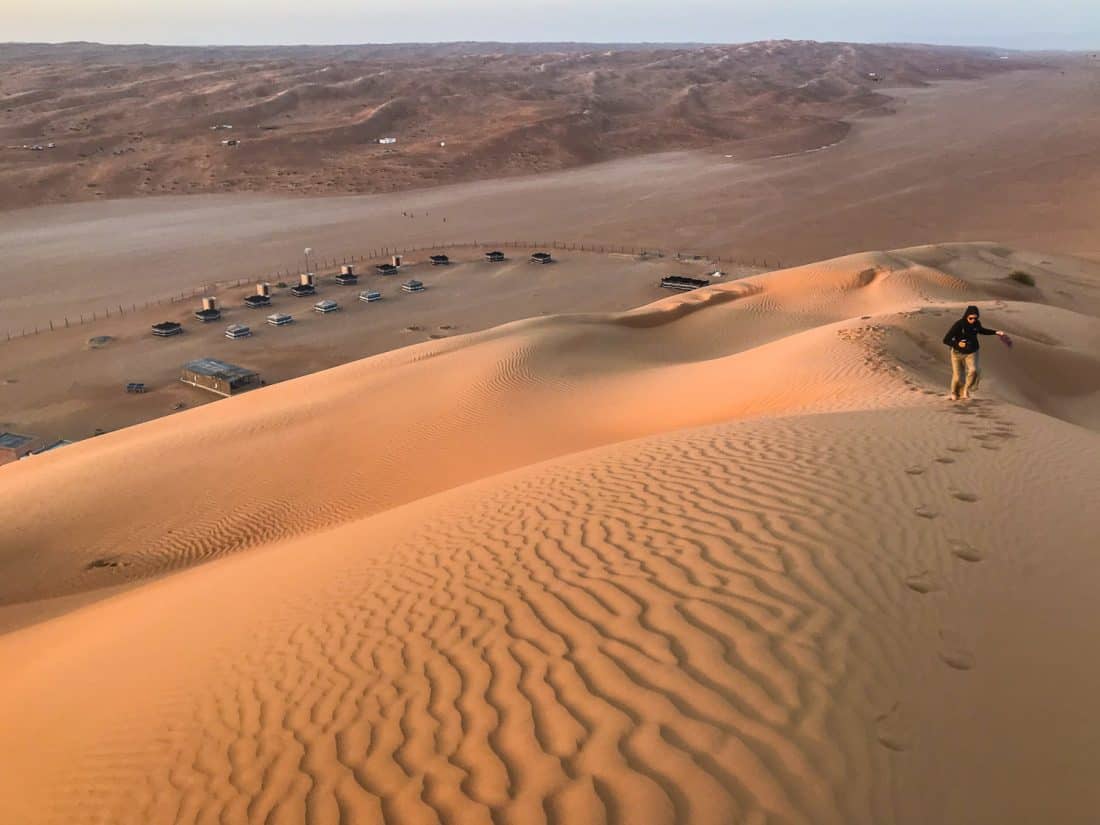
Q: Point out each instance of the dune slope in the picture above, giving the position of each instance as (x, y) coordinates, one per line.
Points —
(730, 557)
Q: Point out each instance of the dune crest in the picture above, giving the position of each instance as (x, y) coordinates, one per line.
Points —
(729, 557)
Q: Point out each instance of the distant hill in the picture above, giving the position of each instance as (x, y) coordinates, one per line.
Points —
(131, 120)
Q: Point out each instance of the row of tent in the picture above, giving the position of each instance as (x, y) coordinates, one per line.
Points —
(167, 329)
(307, 287)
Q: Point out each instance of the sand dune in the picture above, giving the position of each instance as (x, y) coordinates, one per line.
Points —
(729, 557)
(135, 121)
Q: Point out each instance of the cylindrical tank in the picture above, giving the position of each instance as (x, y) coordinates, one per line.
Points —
(306, 279)
(397, 260)
(263, 289)
(347, 269)
(209, 303)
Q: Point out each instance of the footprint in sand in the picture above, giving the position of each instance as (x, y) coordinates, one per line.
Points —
(921, 582)
(964, 496)
(895, 729)
(915, 470)
(943, 459)
(925, 512)
(957, 449)
(990, 447)
(954, 651)
(965, 551)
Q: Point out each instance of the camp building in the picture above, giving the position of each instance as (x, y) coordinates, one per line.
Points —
(218, 376)
(14, 446)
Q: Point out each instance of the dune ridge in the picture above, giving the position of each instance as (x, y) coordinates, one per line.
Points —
(729, 557)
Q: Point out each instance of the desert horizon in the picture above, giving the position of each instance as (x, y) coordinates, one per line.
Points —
(481, 432)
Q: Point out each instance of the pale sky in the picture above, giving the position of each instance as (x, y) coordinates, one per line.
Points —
(1039, 24)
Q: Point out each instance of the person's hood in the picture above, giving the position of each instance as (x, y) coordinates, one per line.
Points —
(972, 310)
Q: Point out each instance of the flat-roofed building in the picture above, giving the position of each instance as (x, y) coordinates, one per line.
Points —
(14, 446)
(218, 376)
(166, 329)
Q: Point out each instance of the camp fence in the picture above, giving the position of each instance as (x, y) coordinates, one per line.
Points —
(320, 264)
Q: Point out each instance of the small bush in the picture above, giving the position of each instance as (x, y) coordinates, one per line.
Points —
(1021, 277)
(281, 285)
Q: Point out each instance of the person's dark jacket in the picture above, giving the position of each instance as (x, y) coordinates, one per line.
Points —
(963, 330)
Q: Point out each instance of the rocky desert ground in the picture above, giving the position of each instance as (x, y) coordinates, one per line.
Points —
(137, 120)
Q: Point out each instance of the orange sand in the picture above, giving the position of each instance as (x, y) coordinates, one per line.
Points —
(730, 557)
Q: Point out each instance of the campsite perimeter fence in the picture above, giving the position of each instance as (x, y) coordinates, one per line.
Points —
(375, 254)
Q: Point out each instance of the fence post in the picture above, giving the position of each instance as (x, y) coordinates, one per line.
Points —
(66, 322)
(51, 326)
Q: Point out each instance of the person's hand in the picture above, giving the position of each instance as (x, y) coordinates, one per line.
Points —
(962, 344)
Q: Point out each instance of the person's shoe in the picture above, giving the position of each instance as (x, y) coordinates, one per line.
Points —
(953, 396)
(964, 397)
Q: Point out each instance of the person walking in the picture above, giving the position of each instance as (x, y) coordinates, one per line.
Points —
(962, 338)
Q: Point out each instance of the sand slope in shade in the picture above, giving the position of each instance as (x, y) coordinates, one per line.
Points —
(726, 558)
